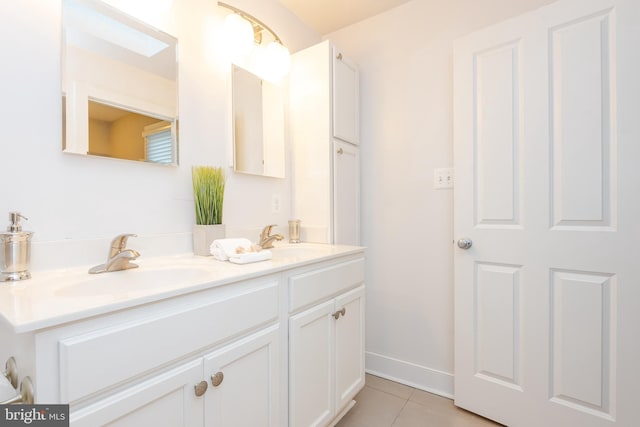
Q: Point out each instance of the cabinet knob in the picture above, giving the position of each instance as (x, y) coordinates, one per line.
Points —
(340, 151)
(216, 379)
(337, 314)
(339, 57)
(201, 388)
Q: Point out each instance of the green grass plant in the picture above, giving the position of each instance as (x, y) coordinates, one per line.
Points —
(208, 192)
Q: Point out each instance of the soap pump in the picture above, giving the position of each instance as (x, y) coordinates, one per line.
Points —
(15, 250)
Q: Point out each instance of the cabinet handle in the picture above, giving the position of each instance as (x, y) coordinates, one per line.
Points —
(337, 314)
(339, 56)
(340, 151)
(216, 379)
(201, 388)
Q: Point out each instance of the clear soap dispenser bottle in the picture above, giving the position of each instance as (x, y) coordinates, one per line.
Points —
(15, 250)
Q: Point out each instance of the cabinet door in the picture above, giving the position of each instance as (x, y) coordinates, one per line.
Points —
(349, 346)
(311, 366)
(346, 120)
(346, 194)
(249, 374)
(166, 400)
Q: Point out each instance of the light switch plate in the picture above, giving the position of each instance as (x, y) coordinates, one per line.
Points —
(275, 203)
(443, 178)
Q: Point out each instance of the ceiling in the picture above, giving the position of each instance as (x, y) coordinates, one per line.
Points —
(326, 16)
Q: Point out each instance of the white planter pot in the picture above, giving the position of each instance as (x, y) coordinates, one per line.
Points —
(204, 235)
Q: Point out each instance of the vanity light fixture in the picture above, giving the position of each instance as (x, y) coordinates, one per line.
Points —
(244, 33)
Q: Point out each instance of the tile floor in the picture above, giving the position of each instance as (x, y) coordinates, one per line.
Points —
(384, 403)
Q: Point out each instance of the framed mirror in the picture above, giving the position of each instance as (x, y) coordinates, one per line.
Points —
(258, 125)
(119, 85)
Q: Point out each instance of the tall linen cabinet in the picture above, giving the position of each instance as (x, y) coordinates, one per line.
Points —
(325, 136)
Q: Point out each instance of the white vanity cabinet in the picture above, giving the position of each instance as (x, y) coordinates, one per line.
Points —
(326, 342)
(324, 131)
(272, 344)
(159, 362)
(242, 389)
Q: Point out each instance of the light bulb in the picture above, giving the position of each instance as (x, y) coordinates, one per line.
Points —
(271, 62)
(278, 60)
(239, 36)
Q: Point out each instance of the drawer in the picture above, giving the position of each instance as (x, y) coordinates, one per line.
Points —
(98, 359)
(313, 286)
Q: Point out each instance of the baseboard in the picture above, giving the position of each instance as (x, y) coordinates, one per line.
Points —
(342, 413)
(411, 374)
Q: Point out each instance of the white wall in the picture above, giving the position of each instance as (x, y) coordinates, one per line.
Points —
(77, 204)
(405, 59)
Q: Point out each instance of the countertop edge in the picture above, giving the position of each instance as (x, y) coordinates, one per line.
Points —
(188, 288)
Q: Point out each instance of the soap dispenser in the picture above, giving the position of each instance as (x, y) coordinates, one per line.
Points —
(15, 250)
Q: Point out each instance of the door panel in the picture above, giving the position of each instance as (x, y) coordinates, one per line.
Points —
(580, 64)
(546, 156)
(346, 99)
(497, 320)
(311, 361)
(346, 193)
(581, 334)
(349, 346)
(167, 399)
(496, 124)
(250, 380)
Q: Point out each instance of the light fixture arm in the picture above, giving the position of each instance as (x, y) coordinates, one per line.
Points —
(251, 19)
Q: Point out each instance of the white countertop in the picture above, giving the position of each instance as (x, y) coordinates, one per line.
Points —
(54, 297)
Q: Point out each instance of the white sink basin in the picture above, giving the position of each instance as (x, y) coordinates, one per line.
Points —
(132, 280)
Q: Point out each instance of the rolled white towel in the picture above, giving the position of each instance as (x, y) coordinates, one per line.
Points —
(222, 249)
(248, 257)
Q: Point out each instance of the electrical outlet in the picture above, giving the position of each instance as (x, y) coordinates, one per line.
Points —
(275, 204)
(443, 178)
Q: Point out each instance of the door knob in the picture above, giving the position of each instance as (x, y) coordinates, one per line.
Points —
(465, 243)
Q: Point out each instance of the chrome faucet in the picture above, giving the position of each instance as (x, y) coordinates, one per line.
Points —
(119, 256)
(266, 238)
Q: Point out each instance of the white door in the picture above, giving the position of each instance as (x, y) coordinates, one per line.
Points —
(547, 148)
(346, 98)
(346, 193)
(311, 366)
(244, 382)
(349, 346)
(168, 399)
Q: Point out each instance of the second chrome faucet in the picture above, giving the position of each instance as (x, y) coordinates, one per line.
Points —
(119, 256)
